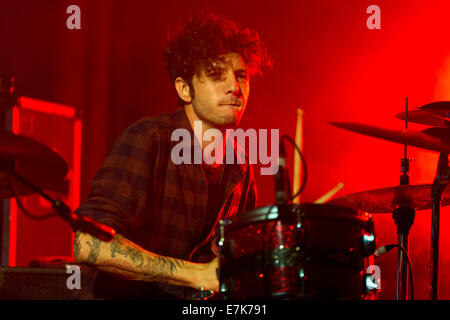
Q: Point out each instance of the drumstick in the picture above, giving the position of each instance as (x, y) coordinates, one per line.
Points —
(327, 196)
(297, 164)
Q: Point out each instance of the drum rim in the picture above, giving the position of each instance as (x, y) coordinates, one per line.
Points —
(253, 216)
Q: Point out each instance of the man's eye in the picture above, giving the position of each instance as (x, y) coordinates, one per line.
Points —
(216, 75)
(242, 76)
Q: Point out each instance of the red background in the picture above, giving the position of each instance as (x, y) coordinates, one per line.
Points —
(326, 62)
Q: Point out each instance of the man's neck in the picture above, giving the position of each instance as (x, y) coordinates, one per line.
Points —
(217, 145)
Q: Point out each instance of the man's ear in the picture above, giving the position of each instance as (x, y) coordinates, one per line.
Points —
(183, 90)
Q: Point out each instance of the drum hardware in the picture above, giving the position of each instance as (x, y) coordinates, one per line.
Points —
(20, 157)
(436, 114)
(282, 200)
(77, 222)
(405, 136)
(385, 249)
(441, 133)
(386, 200)
(435, 139)
(273, 257)
(439, 184)
(368, 242)
(30, 163)
(286, 251)
(403, 219)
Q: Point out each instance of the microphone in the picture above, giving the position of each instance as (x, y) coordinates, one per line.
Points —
(83, 223)
(383, 250)
(281, 178)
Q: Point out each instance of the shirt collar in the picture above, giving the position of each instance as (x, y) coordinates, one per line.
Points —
(181, 121)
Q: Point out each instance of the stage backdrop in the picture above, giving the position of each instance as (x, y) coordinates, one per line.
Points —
(326, 62)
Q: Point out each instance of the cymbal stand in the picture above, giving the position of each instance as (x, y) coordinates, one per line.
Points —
(404, 219)
(59, 206)
(439, 184)
(77, 222)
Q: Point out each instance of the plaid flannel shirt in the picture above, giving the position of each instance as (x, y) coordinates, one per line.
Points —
(155, 203)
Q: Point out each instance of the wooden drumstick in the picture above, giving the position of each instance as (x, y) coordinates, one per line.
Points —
(327, 196)
(297, 159)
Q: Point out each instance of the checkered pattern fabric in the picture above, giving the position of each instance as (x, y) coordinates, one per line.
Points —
(155, 203)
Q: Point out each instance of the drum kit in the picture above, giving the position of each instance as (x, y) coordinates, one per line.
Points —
(287, 251)
(326, 251)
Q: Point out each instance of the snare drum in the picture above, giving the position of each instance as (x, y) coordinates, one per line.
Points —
(311, 251)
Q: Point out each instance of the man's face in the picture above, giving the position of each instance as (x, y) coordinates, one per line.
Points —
(221, 95)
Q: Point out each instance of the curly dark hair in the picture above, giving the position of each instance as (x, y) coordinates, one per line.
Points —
(204, 40)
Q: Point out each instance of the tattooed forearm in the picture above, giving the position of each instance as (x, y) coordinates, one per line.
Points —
(170, 264)
(119, 246)
(157, 265)
(152, 266)
(126, 259)
(76, 245)
(95, 249)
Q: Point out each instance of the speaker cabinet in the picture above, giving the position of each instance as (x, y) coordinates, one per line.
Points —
(45, 283)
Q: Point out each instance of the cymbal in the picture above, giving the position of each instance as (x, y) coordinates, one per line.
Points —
(385, 200)
(438, 132)
(436, 118)
(32, 160)
(435, 114)
(404, 136)
(439, 105)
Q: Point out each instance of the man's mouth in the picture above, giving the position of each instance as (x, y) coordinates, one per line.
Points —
(232, 103)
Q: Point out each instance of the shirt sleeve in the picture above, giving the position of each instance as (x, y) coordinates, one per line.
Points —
(119, 190)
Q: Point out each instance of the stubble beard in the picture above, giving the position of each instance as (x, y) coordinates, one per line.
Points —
(217, 120)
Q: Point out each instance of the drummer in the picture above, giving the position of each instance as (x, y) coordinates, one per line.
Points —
(165, 213)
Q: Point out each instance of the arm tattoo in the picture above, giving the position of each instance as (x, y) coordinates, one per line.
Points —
(127, 251)
(95, 250)
(163, 263)
(76, 245)
(153, 265)
(169, 263)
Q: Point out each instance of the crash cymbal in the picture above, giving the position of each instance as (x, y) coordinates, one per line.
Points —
(385, 200)
(435, 118)
(439, 105)
(31, 160)
(435, 114)
(441, 133)
(404, 136)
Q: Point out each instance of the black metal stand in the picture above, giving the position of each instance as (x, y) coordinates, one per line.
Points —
(77, 222)
(440, 182)
(404, 219)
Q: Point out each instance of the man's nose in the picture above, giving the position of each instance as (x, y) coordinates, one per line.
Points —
(233, 84)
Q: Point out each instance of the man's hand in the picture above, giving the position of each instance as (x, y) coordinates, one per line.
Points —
(209, 277)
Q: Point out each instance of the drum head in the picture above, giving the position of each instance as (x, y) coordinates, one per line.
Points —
(292, 212)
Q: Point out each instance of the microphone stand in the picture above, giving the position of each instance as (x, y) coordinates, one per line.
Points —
(283, 187)
(439, 184)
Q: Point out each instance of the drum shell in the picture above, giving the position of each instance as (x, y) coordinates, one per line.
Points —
(310, 252)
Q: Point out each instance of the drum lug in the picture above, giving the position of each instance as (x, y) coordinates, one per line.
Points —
(221, 234)
(368, 244)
